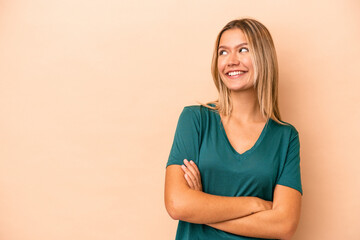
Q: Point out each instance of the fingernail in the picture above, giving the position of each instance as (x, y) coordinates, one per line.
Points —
(191, 161)
(185, 160)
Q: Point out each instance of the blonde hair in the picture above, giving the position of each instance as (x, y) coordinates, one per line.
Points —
(265, 64)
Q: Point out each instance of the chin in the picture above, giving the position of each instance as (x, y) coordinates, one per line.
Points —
(239, 85)
(240, 88)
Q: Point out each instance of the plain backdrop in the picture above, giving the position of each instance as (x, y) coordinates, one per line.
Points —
(91, 91)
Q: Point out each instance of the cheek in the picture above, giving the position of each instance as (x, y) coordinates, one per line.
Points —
(248, 63)
(220, 66)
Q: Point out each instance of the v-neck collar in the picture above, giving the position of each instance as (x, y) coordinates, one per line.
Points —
(248, 152)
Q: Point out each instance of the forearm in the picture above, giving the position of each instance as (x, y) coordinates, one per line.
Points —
(199, 207)
(272, 224)
(186, 204)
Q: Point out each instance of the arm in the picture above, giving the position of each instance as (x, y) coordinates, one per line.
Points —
(279, 222)
(186, 204)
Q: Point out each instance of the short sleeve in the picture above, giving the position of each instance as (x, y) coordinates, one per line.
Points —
(187, 138)
(291, 174)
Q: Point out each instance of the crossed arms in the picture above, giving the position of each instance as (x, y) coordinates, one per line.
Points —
(245, 216)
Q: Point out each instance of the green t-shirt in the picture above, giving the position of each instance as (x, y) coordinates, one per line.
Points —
(274, 159)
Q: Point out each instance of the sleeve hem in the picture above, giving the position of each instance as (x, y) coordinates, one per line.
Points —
(292, 186)
(173, 162)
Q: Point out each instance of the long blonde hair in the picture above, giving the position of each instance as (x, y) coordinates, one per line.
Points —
(265, 64)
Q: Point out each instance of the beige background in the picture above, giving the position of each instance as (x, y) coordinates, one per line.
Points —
(91, 91)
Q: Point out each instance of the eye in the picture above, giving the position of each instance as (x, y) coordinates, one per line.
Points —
(222, 52)
(243, 49)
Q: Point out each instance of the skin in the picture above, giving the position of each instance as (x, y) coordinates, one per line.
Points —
(234, 55)
(251, 217)
(186, 204)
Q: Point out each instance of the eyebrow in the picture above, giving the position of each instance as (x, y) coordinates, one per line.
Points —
(237, 46)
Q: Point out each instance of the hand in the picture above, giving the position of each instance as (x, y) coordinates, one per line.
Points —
(192, 175)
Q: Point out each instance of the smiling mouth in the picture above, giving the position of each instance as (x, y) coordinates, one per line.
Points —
(235, 73)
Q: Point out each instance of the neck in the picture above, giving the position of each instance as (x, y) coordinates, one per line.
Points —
(245, 106)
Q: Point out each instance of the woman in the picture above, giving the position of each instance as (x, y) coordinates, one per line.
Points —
(234, 167)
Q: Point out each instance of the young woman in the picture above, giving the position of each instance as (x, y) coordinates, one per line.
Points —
(234, 166)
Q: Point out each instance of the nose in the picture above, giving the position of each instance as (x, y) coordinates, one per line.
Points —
(233, 60)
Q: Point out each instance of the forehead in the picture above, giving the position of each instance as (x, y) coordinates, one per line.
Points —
(232, 37)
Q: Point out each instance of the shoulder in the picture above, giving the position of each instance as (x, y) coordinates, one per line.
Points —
(200, 115)
(196, 110)
(285, 128)
(190, 115)
(192, 108)
(192, 112)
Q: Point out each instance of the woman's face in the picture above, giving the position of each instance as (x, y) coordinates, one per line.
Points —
(234, 61)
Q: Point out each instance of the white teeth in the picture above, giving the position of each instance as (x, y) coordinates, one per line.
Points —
(235, 73)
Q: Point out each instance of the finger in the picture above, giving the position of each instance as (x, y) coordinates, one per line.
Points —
(188, 179)
(190, 183)
(192, 169)
(195, 180)
(195, 167)
(197, 174)
(189, 173)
